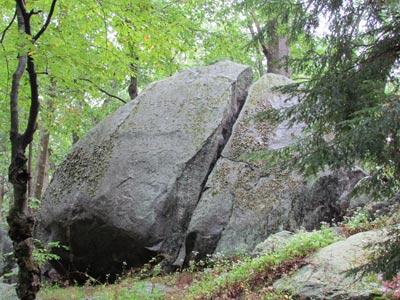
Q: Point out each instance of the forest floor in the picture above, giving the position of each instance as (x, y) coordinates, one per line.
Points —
(240, 277)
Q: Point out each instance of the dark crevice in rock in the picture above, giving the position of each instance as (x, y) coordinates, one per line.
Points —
(225, 131)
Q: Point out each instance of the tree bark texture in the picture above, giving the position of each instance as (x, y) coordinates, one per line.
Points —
(276, 50)
(19, 219)
(133, 84)
(30, 184)
(2, 193)
(42, 164)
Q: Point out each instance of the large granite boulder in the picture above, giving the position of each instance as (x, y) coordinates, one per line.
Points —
(246, 199)
(128, 189)
(175, 172)
(329, 273)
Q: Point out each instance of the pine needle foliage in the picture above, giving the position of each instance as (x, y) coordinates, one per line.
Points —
(349, 99)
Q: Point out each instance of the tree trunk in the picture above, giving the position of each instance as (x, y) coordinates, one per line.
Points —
(42, 161)
(21, 227)
(276, 51)
(42, 164)
(259, 57)
(277, 62)
(20, 220)
(133, 85)
(2, 193)
(30, 183)
(75, 137)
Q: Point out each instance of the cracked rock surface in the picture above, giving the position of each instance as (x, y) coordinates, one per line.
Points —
(245, 200)
(174, 172)
(127, 190)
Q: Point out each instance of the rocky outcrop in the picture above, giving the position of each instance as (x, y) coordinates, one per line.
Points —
(245, 198)
(7, 291)
(177, 171)
(127, 190)
(7, 261)
(328, 275)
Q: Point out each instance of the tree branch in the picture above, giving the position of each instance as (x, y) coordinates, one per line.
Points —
(35, 104)
(34, 107)
(46, 24)
(103, 91)
(260, 37)
(21, 6)
(16, 78)
(3, 34)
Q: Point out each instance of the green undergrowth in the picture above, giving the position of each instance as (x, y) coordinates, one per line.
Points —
(241, 275)
(301, 245)
(362, 220)
(127, 289)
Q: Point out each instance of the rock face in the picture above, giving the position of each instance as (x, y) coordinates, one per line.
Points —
(175, 172)
(128, 189)
(274, 242)
(7, 291)
(245, 200)
(7, 261)
(326, 276)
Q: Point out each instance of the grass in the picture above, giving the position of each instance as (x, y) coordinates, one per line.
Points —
(246, 272)
(128, 289)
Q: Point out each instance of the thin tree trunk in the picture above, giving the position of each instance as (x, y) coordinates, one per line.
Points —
(75, 137)
(42, 163)
(30, 184)
(259, 59)
(2, 193)
(133, 85)
(20, 220)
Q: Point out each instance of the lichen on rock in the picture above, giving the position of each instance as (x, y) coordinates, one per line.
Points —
(128, 189)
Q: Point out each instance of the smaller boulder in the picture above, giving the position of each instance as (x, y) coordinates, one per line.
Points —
(273, 243)
(328, 275)
(7, 261)
(7, 291)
